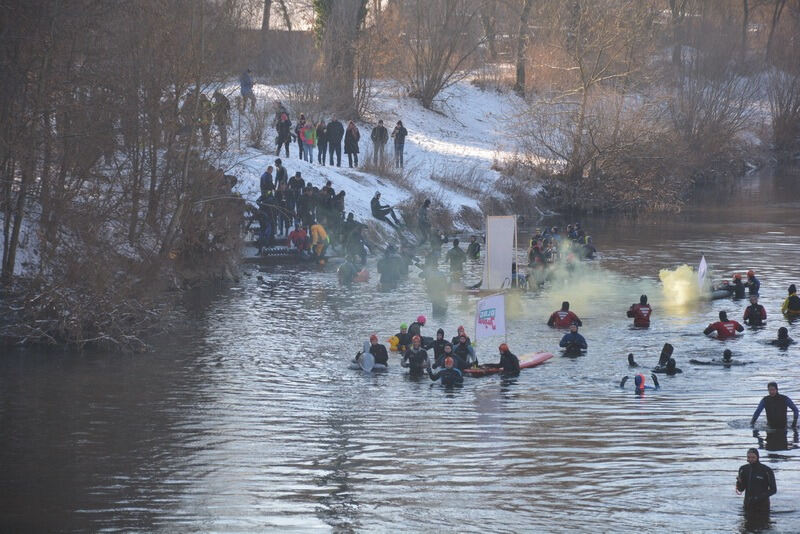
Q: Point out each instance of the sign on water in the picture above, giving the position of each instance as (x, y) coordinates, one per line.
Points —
(490, 317)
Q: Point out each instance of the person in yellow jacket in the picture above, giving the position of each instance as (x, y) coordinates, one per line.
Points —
(319, 239)
(791, 305)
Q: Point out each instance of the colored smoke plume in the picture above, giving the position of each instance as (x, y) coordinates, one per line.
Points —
(680, 287)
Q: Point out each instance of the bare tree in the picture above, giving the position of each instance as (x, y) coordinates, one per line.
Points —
(522, 47)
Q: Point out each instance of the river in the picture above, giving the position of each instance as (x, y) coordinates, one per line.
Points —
(247, 419)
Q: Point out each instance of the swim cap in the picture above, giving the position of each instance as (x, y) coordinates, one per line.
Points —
(751, 273)
(460, 329)
(421, 319)
(792, 289)
(726, 355)
(373, 337)
(503, 347)
(639, 381)
(448, 362)
(404, 326)
(416, 338)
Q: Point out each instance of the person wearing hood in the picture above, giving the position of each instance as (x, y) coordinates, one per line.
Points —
(439, 344)
(333, 134)
(639, 383)
(755, 314)
(791, 305)
(450, 375)
(724, 328)
(757, 482)
(415, 358)
(641, 313)
(669, 369)
(463, 349)
(509, 362)
(573, 342)
(563, 318)
(631, 362)
(783, 340)
(474, 248)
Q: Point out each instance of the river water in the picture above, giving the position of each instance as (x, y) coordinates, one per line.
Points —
(248, 419)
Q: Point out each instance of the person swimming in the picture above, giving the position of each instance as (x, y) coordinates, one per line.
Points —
(783, 340)
(726, 361)
(631, 361)
(639, 383)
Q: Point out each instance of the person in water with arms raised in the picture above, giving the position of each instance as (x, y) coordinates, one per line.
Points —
(641, 313)
(639, 383)
(449, 375)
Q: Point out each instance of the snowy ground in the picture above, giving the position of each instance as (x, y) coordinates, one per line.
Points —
(467, 138)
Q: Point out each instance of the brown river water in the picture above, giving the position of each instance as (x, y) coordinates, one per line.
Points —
(249, 420)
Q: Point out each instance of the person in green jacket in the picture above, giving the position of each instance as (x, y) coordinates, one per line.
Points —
(308, 135)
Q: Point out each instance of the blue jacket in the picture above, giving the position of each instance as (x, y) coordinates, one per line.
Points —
(246, 82)
(573, 339)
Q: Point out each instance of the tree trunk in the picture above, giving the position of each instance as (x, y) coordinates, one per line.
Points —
(338, 49)
(490, 28)
(745, 22)
(776, 17)
(522, 47)
(678, 11)
(265, 17)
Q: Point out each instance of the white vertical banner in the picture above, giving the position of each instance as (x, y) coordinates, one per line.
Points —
(490, 317)
(501, 233)
(702, 269)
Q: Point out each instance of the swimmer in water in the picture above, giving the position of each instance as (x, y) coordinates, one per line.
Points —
(639, 383)
(726, 361)
(783, 340)
(449, 375)
(631, 361)
(666, 354)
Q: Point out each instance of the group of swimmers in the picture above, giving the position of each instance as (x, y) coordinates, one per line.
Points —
(451, 358)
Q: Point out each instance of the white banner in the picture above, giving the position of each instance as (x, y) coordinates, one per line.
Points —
(501, 232)
(702, 269)
(490, 317)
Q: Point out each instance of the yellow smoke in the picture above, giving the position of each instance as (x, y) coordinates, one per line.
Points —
(680, 287)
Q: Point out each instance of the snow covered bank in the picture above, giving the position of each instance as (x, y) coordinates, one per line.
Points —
(468, 137)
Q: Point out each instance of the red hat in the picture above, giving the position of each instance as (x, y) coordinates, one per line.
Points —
(421, 319)
(503, 347)
(373, 337)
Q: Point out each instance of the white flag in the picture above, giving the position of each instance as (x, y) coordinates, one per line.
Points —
(701, 272)
(490, 317)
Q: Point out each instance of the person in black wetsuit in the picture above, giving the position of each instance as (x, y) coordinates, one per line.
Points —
(416, 327)
(631, 361)
(449, 375)
(776, 406)
(755, 314)
(738, 287)
(573, 342)
(783, 340)
(461, 332)
(460, 363)
(378, 351)
(439, 344)
(464, 351)
(415, 358)
(671, 369)
(666, 354)
(757, 481)
(508, 361)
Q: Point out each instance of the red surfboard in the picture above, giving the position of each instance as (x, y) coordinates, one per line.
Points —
(525, 361)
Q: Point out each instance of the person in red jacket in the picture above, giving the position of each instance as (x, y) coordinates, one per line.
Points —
(298, 238)
(724, 327)
(755, 314)
(641, 313)
(563, 318)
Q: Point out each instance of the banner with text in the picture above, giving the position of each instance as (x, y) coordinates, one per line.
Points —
(490, 317)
